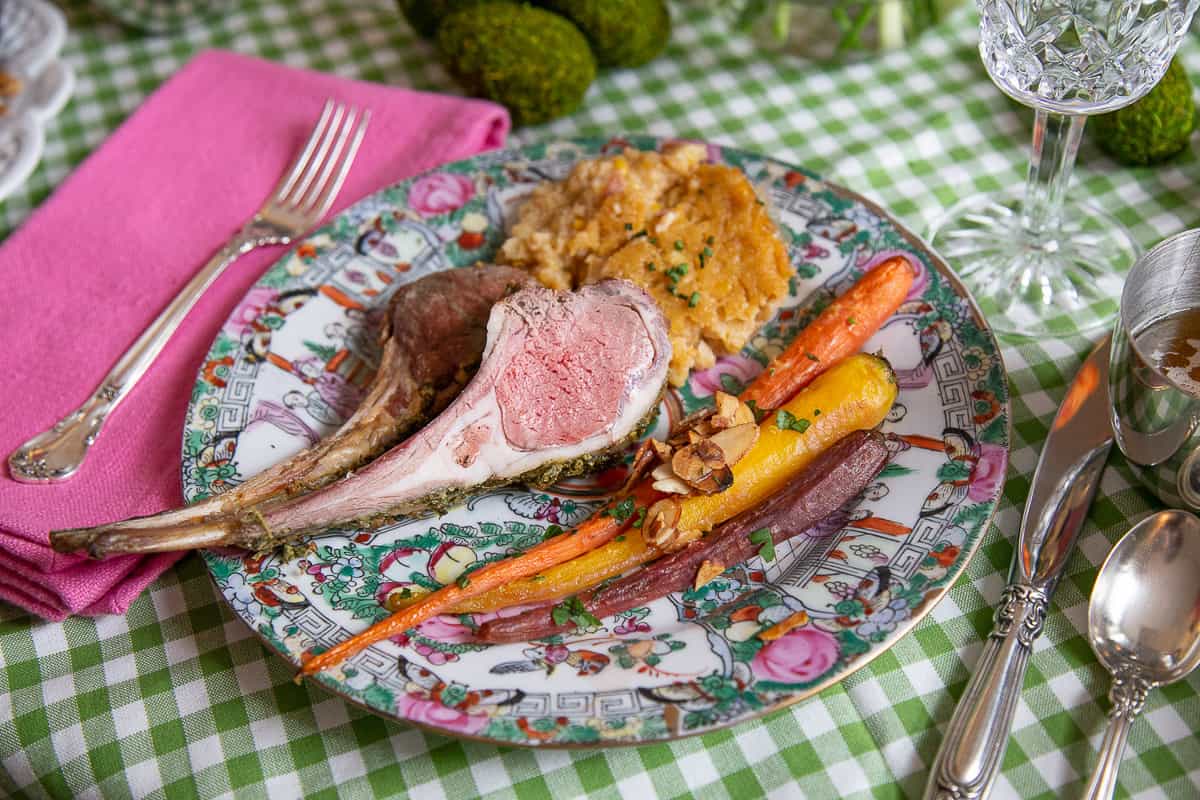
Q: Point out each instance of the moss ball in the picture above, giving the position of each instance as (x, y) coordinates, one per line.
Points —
(1154, 128)
(531, 60)
(623, 33)
(426, 15)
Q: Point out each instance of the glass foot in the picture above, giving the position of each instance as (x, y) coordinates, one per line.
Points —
(1065, 283)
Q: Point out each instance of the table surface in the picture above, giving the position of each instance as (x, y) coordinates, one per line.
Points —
(178, 698)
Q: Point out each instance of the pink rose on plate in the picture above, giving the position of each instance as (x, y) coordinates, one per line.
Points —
(710, 381)
(799, 656)
(988, 473)
(252, 305)
(428, 712)
(440, 193)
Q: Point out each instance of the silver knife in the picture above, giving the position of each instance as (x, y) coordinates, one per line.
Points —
(1063, 486)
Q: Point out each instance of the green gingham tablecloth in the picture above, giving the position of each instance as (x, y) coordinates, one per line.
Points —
(178, 699)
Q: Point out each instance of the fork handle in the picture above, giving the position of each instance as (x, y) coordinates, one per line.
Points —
(55, 454)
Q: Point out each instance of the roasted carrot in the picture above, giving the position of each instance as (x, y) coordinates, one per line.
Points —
(837, 332)
(591, 534)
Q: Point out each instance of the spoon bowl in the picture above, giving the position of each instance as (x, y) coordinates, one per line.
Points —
(1144, 612)
(1144, 624)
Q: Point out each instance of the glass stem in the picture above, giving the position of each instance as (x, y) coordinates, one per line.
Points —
(1055, 143)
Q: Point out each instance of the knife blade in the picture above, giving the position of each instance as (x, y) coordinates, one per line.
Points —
(1064, 483)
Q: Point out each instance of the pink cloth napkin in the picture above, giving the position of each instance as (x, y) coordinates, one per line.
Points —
(93, 266)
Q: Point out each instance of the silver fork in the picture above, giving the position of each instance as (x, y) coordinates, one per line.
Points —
(302, 198)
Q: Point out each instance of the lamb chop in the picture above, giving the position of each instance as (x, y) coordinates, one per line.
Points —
(567, 380)
(432, 340)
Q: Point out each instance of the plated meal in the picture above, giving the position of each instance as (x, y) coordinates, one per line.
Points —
(590, 441)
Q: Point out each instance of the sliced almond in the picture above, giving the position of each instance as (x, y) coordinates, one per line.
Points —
(661, 519)
(671, 485)
(727, 408)
(642, 460)
(735, 442)
(694, 436)
(662, 472)
(693, 462)
(661, 449)
(708, 570)
(714, 482)
(744, 415)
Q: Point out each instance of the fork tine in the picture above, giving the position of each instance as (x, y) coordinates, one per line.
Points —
(313, 167)
(338, 165)
(305, 203)
(334, 186)
(289, 178)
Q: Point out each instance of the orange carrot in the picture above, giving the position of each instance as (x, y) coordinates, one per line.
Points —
(590, 534)
(837, 332)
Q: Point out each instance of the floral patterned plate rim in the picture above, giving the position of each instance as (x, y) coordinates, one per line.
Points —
(290, 364)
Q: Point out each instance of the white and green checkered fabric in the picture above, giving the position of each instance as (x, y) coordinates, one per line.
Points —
(179, 699)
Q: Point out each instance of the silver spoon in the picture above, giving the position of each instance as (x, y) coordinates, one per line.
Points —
(1144, 624)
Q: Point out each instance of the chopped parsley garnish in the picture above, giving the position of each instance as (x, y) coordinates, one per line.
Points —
(710, 240)
(621, 511)
(811, 357)
(707, 252)
(628, 226)
(574, 611)
(463, 581)
(766, 545)
(758, 412)
(693, 300)
(551, 532)
(640, 518)
(620, 538)
(639, 234)
(650, 266)
(674, 274)
(816, 412)
(405, 593)
(678, 245)
(850, 321)
(787, 421)
(653, 240)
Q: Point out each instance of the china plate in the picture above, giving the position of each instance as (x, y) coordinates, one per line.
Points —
(32, 33)
(291, 362)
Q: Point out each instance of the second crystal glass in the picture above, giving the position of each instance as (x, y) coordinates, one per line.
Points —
(1039, 263)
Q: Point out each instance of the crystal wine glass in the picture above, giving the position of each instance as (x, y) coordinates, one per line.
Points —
(1039, 263)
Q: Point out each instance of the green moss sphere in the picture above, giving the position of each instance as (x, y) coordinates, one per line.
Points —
(531, 60)
(623, 33)
(426, 15)
(1154, 128)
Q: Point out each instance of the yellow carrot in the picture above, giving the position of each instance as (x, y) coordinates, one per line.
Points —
(622, 553)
